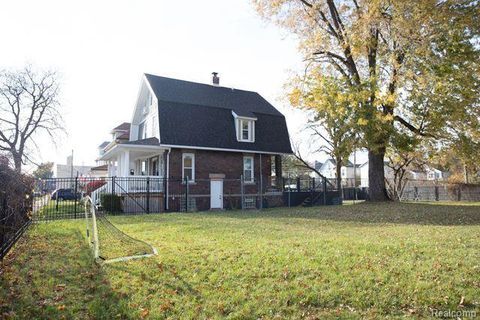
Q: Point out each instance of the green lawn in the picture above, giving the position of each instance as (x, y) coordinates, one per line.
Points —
(52, 209)
(354, 261)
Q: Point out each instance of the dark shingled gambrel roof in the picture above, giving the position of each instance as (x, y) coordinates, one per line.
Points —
(200, 115)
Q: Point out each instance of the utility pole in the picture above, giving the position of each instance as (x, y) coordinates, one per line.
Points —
(71, 166)
(354, 174)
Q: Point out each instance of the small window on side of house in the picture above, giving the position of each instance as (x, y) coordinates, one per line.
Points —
(141, 130)
(145, 130)
(148, 103)
(188, 167)
(248, 176)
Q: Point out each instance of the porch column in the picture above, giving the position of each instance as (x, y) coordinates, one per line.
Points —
(111, 168)
(278, 170)
(126, 164)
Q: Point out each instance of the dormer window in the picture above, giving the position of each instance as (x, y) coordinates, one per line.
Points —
(245, 128)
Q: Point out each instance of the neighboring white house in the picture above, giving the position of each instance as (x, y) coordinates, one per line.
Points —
(427, 173)
(69, 170)
(329, 170)
(364, 174)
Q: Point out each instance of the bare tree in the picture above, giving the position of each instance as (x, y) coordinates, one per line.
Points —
(400, 162)
(338, 141)
(28, 106)
(302, 162)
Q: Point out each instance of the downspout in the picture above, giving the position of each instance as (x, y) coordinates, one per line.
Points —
(167, 178)
(261, 183)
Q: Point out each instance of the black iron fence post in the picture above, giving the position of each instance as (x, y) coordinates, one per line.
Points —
(76, 197)
(289, 191)
(312, 192)
(148, 194)
(242, 192)
(186, 194)
(324, 191)
(113, 191)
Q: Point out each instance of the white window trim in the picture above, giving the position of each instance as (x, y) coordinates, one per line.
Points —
(252, 180)
(238, 128)
(192, 178)
(251, 130)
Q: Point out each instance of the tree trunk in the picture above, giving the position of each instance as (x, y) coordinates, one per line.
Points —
(376, 176)
(17, 161)
(339, 177)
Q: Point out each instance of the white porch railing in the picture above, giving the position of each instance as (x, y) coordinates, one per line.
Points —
(138, 184)
(130, 184)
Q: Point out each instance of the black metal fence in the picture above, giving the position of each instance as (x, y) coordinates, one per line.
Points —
(15, 206)
(62, 198)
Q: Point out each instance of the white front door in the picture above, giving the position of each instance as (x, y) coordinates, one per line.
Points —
(216, 194)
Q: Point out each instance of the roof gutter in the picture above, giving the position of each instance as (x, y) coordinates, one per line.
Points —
(222, 149)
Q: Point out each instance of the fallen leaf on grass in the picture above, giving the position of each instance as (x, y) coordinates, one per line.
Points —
(60, 287)
(144, 313)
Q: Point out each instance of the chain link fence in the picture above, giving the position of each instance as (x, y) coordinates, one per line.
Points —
(414, 190)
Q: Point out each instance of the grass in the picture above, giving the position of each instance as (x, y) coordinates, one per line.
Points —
(58, 209)
(354, 262)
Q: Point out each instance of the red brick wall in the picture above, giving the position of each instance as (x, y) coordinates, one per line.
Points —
(218, 162)
(228, 163)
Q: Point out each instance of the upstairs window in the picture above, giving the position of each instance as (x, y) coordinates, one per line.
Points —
(188, 167)
(245, 130)
(148, 103)
(141, 131)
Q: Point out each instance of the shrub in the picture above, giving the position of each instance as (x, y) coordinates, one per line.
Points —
(94, 185)
(16, 200)
(111, 202)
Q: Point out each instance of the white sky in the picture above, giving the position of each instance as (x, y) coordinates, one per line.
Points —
(102, 48)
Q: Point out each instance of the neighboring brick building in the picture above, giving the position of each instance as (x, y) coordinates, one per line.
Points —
(206, 134)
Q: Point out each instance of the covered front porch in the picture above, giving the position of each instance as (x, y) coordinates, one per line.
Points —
(135, 160)
(132, 162)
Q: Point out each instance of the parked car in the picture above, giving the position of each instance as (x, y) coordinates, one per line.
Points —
(65, 194)
(37, 194)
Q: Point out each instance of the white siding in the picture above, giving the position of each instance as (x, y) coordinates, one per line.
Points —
(150, 117)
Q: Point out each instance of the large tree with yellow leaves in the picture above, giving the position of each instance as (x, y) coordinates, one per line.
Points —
(406, 67)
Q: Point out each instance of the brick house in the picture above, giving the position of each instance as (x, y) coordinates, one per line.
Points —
(205, 134)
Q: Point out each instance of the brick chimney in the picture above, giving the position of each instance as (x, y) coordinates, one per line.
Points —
(215, 79)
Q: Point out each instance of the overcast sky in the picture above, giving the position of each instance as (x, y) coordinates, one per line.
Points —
(102, 48)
